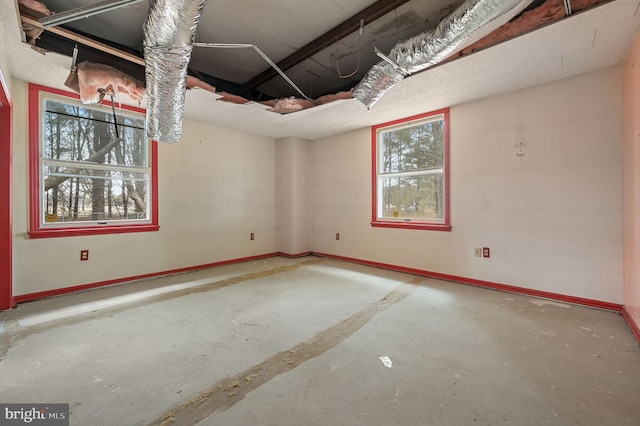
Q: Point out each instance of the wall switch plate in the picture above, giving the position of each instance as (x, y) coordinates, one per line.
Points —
(486, 252)
(84, 254)
(477, 252)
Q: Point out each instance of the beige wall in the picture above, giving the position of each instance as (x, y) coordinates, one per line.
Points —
(553, 218)
(216, 187)
(294, 170)
(631, 187)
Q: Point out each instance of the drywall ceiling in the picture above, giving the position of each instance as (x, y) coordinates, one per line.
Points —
(587, 41)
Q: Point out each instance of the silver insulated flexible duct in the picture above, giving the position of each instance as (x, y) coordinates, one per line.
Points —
(168, 37)
(467, 24)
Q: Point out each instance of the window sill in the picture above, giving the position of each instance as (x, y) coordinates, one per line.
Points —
(412, 225)
(91, 230)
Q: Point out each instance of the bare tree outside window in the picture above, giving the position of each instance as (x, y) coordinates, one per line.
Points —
(411, 170)
(90, 172)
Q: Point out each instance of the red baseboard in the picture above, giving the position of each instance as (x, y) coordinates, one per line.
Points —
(635, 328)
(485, 284)
(633, 325)
(295, 256)
(66, 290)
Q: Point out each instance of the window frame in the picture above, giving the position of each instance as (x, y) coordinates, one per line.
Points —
(36, 228)
(420, 224)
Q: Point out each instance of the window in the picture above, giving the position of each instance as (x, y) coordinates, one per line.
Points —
(411, 172)
(87, 174)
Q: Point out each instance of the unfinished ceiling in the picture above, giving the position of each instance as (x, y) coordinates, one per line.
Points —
(594, 38)
(288, 32)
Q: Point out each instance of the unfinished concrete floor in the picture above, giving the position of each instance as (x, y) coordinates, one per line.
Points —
(299, 342)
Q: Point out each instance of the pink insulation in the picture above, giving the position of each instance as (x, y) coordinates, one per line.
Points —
(285, 106)
(334, 97)
(36, 5)
(279, 106)
(31, 31)
(97, 80)
(193, 82)
(234, 99)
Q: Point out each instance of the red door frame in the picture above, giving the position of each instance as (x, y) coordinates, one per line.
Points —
(6, 196)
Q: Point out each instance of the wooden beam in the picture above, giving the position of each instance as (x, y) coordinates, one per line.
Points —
(350, 26)
(84, 40)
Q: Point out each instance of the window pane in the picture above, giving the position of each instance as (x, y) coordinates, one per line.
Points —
(105, 196)
(77, 133)
(92, 165)
(418, 147)
(413, 197)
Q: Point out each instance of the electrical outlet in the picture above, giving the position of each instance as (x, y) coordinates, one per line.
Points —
(84, 255)
(337, 236)
(252, 237)
(477, 251)
(486, 252)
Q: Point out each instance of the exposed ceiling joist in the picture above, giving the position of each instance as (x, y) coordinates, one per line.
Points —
(87, 41)
(350, 26)
(61, 40)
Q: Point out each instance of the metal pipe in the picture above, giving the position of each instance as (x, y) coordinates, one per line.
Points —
(567, 7)
(261, 53)
(468, 23)
(83, 12)
(168, 37)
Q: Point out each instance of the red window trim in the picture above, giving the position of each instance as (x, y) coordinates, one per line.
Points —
(6, 196)
(35, 230)
(422, 225)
